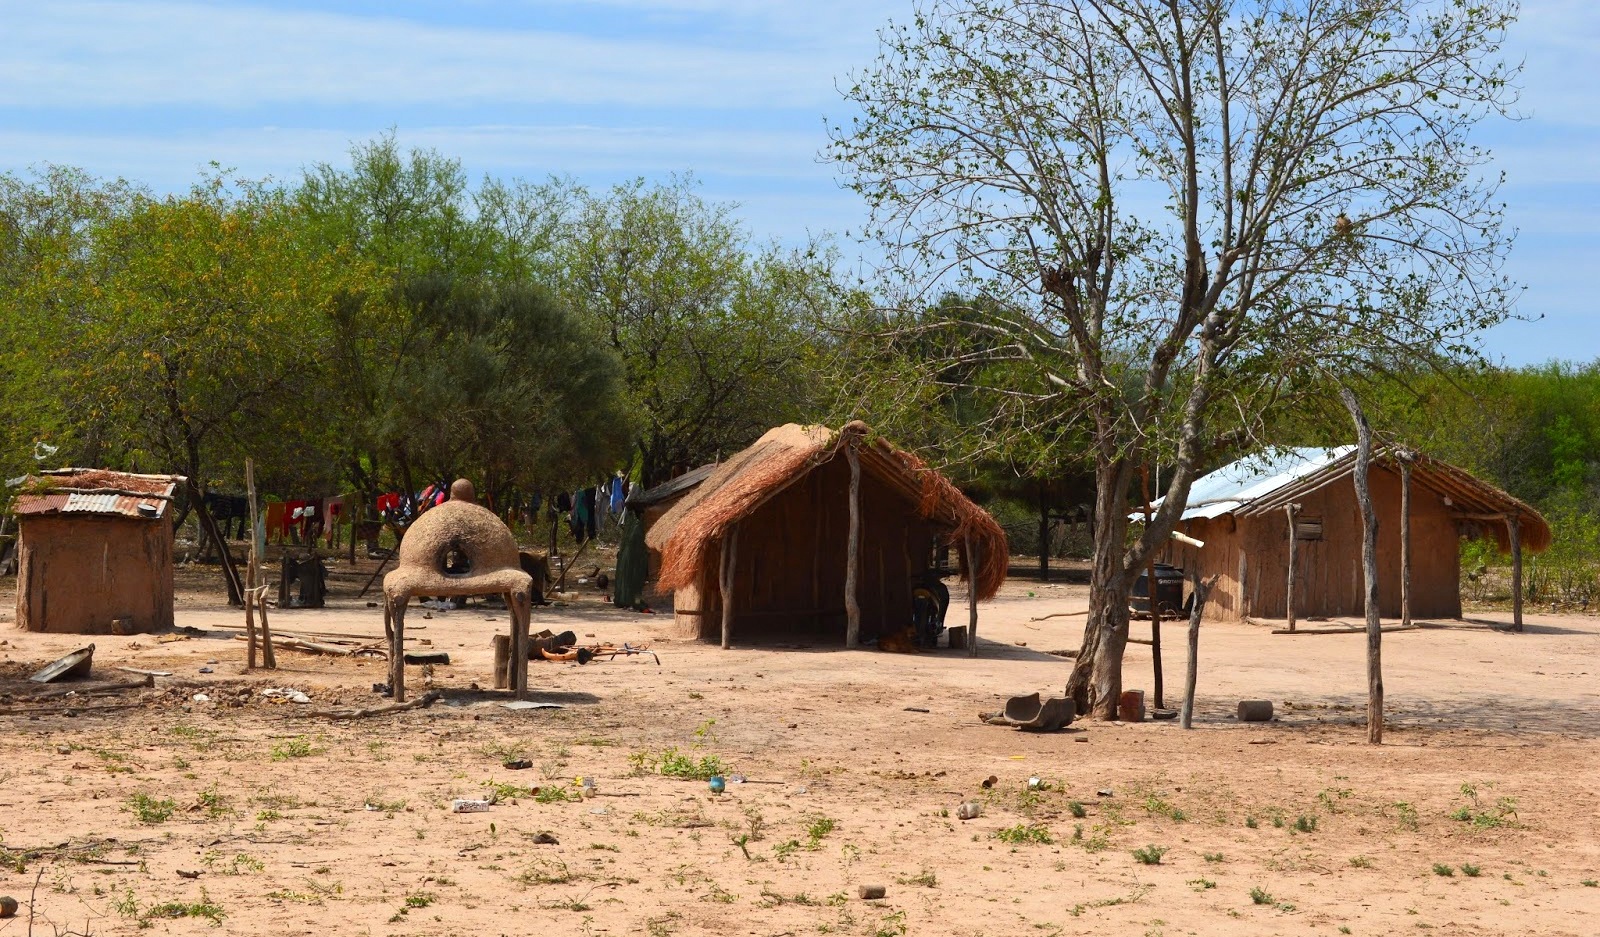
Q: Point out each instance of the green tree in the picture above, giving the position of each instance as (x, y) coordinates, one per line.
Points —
(194, 323)
(1184, 208)
(717, 337)
(47, 220)
(453, 359)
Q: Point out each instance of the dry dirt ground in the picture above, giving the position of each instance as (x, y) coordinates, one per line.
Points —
(148, 809)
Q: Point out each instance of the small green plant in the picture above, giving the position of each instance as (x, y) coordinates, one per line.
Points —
(1470, 870)
(204, 908)
(1077, 809)
(1202, 884)
(150, 810)
(1360, 862)
(817, 828)
(672, 763)
(1445, 871)
(506, 791)
(926, 878)
(1150, 854)
(555, 794)
(545, 872)
(1158, 806)
(1343, 929)
(1306, 823)
(420, 899)
(892, 925)
(1405, 815)
(1260, 895)
(1590, 883)
(1213, 857)
(1251, 822)
(297, 747)
(213, 803)
(1024, 833)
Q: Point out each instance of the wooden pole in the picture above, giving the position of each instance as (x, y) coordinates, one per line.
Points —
(250, 573)
(1405, 539)
(1201, 591)
(208, 524)
(395, 613)
(730, 555)
(972, 596)
(1292, 510)
(502, 652)
(1150, 592)
(852, 606)
(521, 615)
(1044, 535)
(1514, 529)
(269, 656)
(1369, 565)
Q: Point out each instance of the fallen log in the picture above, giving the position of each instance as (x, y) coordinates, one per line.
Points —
(422, 702)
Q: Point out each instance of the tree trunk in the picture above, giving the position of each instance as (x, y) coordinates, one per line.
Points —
(1096, 681)
(1369, 566)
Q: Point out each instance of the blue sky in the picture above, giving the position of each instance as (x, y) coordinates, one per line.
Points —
(734, 90)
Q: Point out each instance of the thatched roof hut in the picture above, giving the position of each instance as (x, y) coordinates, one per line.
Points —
(1261, 514)
(771, 527)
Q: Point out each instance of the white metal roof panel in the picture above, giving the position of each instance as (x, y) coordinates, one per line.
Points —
(98, 503)
(1237, 484)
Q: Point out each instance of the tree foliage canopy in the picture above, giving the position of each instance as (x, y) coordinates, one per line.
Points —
(1179, 210)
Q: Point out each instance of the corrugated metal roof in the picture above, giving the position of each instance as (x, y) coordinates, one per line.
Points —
(90, 503)
(95, 491)
(1239, 483)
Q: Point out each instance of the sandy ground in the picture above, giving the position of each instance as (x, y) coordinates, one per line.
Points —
(150, 810)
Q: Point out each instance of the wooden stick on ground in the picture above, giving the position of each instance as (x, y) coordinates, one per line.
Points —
(1060, 615)
(422, 702)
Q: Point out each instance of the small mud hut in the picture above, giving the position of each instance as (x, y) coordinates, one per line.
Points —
(815, 535)
(1282, 533)
(94, 547)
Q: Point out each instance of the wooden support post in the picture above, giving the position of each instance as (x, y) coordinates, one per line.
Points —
(1405, 539)
(1044, 536)
(1150, 594)
(250, 574)
(208, 524)
(521, 606)
(395, 616)
(255, 599)
(852, 605)
(502, 653)
(1293, 511)
(972, 596)
(1369, 565)
(730, 556)
(1514, 530)
(1201, 591)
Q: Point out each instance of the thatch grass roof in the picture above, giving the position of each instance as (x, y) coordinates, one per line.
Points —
(688, 536)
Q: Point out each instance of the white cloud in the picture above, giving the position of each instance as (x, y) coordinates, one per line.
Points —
(91, 54)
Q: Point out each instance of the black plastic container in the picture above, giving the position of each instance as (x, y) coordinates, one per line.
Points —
(1169, 591)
